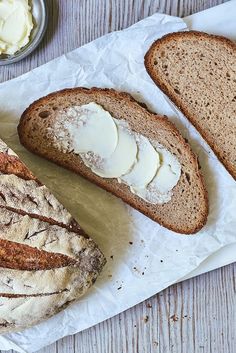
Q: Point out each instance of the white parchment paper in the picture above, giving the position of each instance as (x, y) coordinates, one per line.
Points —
(143, 258)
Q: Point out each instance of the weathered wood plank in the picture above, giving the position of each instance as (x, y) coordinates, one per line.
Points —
(194, 316)
(74, 23)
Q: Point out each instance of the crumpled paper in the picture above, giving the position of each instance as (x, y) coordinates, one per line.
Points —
(143, 257)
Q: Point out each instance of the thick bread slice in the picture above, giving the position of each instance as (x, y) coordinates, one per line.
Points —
(197, 71)
(46, 259)
(185, 213)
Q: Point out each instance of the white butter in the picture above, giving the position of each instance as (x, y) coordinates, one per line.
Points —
(120, 161)
(169, 173)
(91, 129)
(160, 189)
(111, 150)
(15, 25)
(145, 168)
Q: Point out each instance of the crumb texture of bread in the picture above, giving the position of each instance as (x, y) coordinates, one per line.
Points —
(46, 260)
(188, 209)
(197, 71)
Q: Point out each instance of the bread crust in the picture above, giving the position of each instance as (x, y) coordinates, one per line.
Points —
(122, 191)
(174, 98)
(45, 264)
(11, 164)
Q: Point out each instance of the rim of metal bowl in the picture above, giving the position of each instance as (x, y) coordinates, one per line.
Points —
(32, 45)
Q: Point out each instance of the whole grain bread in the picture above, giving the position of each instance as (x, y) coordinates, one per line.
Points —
(197, 71)
(46, 260)
(185, 213)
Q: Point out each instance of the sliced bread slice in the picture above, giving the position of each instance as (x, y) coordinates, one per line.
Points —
(197, 71)
(188, 209)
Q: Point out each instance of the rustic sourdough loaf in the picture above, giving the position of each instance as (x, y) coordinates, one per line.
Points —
(198, 73)
(185, 213)
(46, 259)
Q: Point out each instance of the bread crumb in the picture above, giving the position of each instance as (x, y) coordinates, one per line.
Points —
(148, 305)
(174, 318)
(145, 319)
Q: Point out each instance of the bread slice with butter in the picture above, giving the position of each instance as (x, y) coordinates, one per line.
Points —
(197, 71)
(113, 141)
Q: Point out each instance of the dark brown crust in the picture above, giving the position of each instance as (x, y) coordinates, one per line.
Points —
(13, 296)
(100, 181)
(175, 100)
(12, 165)
(26, 258)
(86, 263)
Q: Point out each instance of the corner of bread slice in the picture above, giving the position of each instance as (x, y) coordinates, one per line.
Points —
(202, 76)
(187, 210)
(170, 42)
(189, 206)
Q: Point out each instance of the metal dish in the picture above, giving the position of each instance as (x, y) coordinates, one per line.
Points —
(40, 19)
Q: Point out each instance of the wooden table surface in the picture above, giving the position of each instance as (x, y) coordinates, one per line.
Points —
(195, 316)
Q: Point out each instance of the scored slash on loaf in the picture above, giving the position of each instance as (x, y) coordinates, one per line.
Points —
(46, 259)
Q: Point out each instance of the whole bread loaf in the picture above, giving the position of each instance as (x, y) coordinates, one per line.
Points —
(197, 71)
(46, 260)
(185, 213)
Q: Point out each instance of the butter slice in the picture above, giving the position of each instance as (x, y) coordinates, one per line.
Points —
(159, 191)
(15, 25)
(92, 129)
(145, 168)
(121, 160)
(111, 150)
(169, 173)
